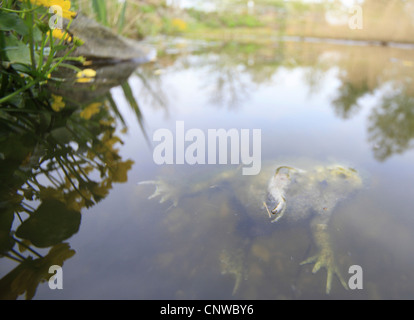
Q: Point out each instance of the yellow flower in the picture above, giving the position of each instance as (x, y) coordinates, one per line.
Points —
(90, 110)
(59, 34)
(85, 76)
(181, 25)
(57, 104)
(64, 4)
(84, 80)
(90, 73)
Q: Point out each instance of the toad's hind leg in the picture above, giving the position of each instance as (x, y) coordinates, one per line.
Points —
(325, 258)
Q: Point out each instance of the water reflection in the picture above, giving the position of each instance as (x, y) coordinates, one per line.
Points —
(363, 75)
(391, 124)
(232, 71)
(50, 175)
(54, 166)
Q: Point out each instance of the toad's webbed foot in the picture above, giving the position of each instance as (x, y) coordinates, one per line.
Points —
(325, 259)
(163, 190)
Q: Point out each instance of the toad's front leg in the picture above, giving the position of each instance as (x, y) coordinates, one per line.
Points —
(276, 190)
(164, 190)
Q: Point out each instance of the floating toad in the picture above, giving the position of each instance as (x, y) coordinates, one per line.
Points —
(290, 193)
(317, 192)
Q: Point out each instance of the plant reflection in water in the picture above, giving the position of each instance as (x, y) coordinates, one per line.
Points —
(53, 165)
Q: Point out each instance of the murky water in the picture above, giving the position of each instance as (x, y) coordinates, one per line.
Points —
(314, 103)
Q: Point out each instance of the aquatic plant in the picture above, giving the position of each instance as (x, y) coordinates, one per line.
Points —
(34, 45)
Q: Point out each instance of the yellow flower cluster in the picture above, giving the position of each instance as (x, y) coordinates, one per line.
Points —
(91, 110)
(86, 76)
(59, 34)
(57, 104)
(64, 4)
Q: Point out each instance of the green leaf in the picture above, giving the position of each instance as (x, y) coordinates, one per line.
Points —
(60, 47)
(99, 8)
(62, 135)
(17, 51)
(121, 21)
(50, 224)
(12, 22)
(134, 105)
(37, 34)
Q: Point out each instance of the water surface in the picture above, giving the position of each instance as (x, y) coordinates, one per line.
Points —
(314, 102)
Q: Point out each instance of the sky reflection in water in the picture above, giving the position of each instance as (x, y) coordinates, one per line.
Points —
(313, 102)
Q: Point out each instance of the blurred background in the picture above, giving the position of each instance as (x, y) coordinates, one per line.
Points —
(383, 20)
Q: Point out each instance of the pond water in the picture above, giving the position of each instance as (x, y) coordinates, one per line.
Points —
(314, 103)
